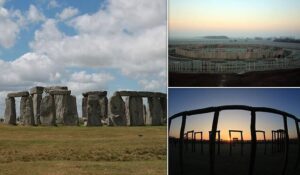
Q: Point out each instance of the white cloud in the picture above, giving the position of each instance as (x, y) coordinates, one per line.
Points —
(53, 4)
(9, 29)
(80, 82)
(34, 15)
(68, 13)
(153, 85)
(127, 35)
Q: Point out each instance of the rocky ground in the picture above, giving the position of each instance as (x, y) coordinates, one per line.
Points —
(82, 150)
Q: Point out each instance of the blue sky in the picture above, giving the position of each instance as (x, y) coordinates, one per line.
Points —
(87, 45)
(283, 99)
(235, 18)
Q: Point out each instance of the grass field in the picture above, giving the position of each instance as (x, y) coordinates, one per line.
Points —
(195, 163)
(82, 150)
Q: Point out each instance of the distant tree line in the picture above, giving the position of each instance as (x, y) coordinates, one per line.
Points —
(287, 40)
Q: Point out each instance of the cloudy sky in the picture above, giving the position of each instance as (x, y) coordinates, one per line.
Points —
(236, 18)
(85, 45)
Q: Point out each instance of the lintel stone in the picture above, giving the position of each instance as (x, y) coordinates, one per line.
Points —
(37, 90)
(99, 93)
(59, 92)
(18, 94)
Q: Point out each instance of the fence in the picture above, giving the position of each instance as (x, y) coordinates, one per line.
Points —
(212, 135)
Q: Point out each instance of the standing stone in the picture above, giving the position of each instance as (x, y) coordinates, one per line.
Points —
(37, 95)
(36, 100)
(116, 110)
(48, 116)
(84, 106)
(60, 107)
(26, 111)
(93, 111)
(145, 114)
(10, 111)
(71, 114)
(163, 102)
(103, 102)
(134, 106)
(155, 113)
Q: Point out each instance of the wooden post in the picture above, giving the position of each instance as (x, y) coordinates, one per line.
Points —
(286, 141)
(212, 141)
(253, 142)
(181, 143)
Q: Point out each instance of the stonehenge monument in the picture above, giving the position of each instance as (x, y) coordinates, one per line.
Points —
(52, 106)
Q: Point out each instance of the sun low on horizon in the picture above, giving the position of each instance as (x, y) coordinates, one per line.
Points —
(235, 18)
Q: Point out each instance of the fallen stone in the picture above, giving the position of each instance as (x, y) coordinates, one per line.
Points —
(37, 90)
(93, 111)
(26, 111)
(18, 94)
(48, 116)
(10, 111)
(116, 111)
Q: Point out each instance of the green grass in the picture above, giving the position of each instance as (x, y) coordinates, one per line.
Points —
(82, 150)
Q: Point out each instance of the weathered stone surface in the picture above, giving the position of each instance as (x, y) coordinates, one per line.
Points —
(10, 111)
(36, 100)
(155, 113)
(59, 92)
(37, 90)
(18, 94)
(84, 107)
(60, 107)
(93, 111)
(47, 89)
(163, 102)
(26, 111)
(100, 93)
(103, 102)
(116, 110)
(145, 113)
(134, 105)
(48, 116)
(71, 115)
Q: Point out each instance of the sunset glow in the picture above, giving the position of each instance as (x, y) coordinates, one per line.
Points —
(234, 18)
